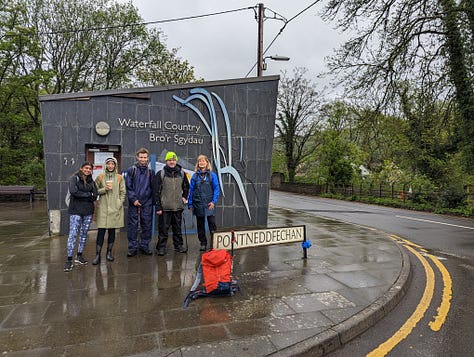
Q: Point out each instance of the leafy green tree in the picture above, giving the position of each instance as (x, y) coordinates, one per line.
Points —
(59, 46)
(431, 134)
(99, 44)
(336, 158)
(166, 69)
(422, 42)
(20, 131)
(297, 120)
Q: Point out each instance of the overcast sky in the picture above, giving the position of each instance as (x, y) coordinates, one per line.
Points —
(225, 46)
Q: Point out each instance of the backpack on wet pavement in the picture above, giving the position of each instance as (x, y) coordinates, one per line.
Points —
(216, 272)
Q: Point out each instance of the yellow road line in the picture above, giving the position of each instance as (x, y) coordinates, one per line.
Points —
(407, 242)
(417, 315)
(443, 308)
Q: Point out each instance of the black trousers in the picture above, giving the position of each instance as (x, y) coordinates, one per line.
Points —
(165, 221)
(101, 236)
(201, 227)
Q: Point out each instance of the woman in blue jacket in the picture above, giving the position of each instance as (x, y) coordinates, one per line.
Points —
(203, 196)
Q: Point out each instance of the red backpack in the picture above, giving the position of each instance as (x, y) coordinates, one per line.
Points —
(216, 271)
(216, 268)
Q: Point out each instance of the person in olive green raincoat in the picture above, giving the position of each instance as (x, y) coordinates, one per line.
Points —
(109, 208)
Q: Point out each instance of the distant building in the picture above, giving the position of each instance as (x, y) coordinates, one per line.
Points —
(231, 121)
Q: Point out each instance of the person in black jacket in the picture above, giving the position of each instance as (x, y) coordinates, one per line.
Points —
(83, 193)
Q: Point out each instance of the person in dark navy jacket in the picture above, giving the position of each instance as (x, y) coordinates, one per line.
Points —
(140, 209)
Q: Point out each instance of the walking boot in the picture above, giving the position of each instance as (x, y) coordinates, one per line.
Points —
(97, 255)
(109, 256)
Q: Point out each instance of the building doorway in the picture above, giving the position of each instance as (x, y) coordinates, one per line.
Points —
(96, 154)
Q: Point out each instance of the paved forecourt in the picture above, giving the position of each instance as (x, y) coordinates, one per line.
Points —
(134, 306)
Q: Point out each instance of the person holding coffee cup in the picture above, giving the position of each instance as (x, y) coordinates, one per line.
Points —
(109, 209)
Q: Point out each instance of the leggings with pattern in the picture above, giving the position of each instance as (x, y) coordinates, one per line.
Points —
(76, 222)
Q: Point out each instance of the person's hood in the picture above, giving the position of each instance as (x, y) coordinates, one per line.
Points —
(105, 165)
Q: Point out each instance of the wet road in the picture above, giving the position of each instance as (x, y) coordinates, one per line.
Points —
(450, 240)
(451, 235)
(134, 306)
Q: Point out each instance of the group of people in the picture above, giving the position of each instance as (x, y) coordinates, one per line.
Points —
(168, 191)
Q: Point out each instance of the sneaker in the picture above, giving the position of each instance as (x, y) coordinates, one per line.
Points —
(81, 260)
(68, 265)
(161, 251)
(180, 249)
(203, 248)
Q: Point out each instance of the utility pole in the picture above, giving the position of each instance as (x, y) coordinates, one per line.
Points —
(260, 15)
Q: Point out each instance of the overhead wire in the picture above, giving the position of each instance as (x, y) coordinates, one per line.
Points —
(280, 32)
(286, 22)
(148, 22)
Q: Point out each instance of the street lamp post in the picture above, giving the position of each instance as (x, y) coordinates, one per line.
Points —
(261, 65)
(275, 58)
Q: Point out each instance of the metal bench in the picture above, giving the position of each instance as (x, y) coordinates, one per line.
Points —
(18, 190)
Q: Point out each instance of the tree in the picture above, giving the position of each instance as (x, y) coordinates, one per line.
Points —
(297, 120)
(99, 44)
(59, 46)
(336, 158)
(430, 133)
(20, 130)
(165, 69)
(422, 42)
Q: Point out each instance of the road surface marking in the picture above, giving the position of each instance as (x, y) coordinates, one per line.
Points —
(436, 222)
(417, 315)
(407, 242)
(443, 308)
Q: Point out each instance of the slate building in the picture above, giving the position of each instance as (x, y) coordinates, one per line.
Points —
(230, 121)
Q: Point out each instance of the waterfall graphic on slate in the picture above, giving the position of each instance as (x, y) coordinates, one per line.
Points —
(218, 152)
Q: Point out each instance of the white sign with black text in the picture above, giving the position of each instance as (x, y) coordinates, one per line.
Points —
(258, 237)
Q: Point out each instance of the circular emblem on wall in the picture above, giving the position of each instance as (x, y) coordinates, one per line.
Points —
(102, 128)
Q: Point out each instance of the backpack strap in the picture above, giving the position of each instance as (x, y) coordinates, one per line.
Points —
(208, 174)
(134, 171)
(101, 176)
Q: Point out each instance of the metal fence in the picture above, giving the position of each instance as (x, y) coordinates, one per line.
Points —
(395, 191)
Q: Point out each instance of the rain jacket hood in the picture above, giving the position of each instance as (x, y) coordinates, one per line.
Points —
(110, 205)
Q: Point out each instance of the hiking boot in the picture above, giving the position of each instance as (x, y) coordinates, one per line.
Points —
(180, 249)
(203, 248)
(132, 253)
(68, 265)
(161, 251)
(81, 260)
(146, 251)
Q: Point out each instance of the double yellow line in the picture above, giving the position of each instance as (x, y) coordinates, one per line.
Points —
(425, 301)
